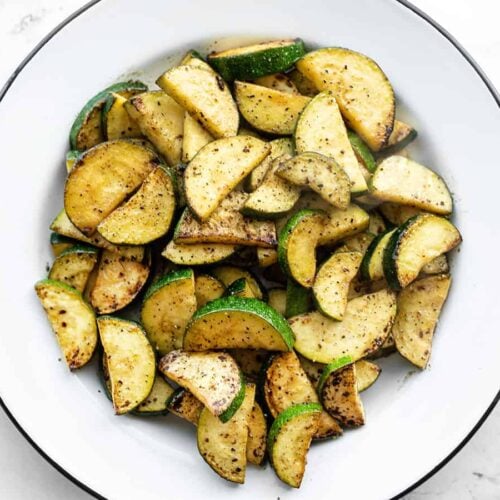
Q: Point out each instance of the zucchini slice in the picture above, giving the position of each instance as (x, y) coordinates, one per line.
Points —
(402, 134)
(212, 377)
(194, 138)
(226, 225)
(286, 384)
(404, 181)
(130, 361)
(116, 122)
(320, 174)
(269, 110)
(146, 216)
(257, 435)
(398, 214)
(366, 374)
(229, 274)
(218, 168)
(297, 246)
(298, 299)
(289, 440)
(278, 81)
(168, 306)
(277, 300)
(207, 288)
(339, 395)
(331, 285)
(362, 151)
(254, 61)
(161, 120)
(250, 361)
(71, 157)
(60, 243)
(183, 404)
(437, 266)
(274, 197)
(313, 370)
(416, 243)
(240, 288)
(358, 242)
(321, 129)
(279, 147)
(372, 267)
(197, 254)
(205, 96)
(363, 92)
(224, 445)
(74, 265)
(366, 324)
(233, 322)
(72, 320)
(359, 287)
(194, 58)
(419, 307)
(303, 84)
(120, 277)
(377, 224)
(156, 402)
(266, 256)
(86, 130)
(102, 178)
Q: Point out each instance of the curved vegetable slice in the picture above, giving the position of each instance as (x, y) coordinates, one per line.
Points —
(269, 110)
(367, 323)
(60, 243)
(229, 274)
(205, 96)
(266, 256)
(130, 360)
(419, 307)
(218, 168)
(254, 61)
(72, 320)
(250, 361)
(257, 434)
(278, 81)
(277, 300)
(366, 374)
(168, 306)
(402, 134)
(102, 178)
(321, 129)
(161, 120)
(212, 377)
(207, 288)
(398, 214)
(156, 402)
(404, 181)
(303, 84)
(71, 157)
(183, 404)
(377, 224)
(298, 299)
(240, 288)
(437, 266)
(363, 92)
(224, 445)
(289, 440)
(416, 243)
(234, 322)
(198, 253)
(116, 122)
(372, 266)
(362, 151)
(194, 138)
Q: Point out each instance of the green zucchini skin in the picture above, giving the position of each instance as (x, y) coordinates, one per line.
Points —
(236, 402)
(364, 269)
(180, 274)
(251, 65)
(298, 299)
(362, 151)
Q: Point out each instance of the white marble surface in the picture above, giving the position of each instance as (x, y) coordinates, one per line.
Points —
(473, 474)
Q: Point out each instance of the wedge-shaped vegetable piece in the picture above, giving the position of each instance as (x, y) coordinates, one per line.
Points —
(120, 277)
(86, 130)
(277, 300)
(146, 216)
(218, 168)
(194, 58)
(331, 285)
(161, 120)
(212, 377)
(116, 122)
(224, 445)
(168, 306)
(102, 178)
(229, 274)
(437, 266)
(416, 243)
(197, 254)
(366, 374)
(250, 361)
(130, 361)
(339, 394)
(404, 181)
(398, 214)
(286, 384)
(257, 435)
(298, 299)
(289, 440)
(194, 138)
(205, 96)
(367, 322)
(266, 256)
(71, 157)
(274, 197)
(363, 92)
(279, 147)
(303, 84)
(402, 134)
(358, 242)
(156, 402)
(72, 320)
(183, 404)
(240, 288)
(377, 224)
(269, 110)
(320, 174)
(254, 61)
(207, 288)
(278, 81)
(362, 151)
(233, 322)
(60, 243)
(74, 265)
(321, 129)
(419, 307)
(297, 245)
(372, 267)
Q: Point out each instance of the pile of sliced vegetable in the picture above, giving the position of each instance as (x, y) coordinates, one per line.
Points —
(240, 245)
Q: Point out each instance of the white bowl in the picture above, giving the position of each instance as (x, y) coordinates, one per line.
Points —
(414, 422)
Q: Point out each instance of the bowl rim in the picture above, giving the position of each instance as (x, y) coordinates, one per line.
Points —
(418, 12)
